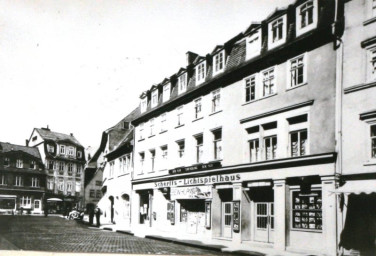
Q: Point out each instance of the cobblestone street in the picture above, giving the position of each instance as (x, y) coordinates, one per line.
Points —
(54, 233)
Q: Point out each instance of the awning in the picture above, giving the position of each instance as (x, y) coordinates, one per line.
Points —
(8, 196)
(357, 187)
(54, 200)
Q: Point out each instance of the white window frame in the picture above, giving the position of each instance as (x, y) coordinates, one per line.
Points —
(60, 185)
(299, 28)
(3, 180)
(298, 127)
(182, 83)
(265, 80)
(370, 123)
(32, 164)
(142, 161)
(50, 148)
(141, 130)
(265, 138)
(25, 201)
(144, 104)
(181, 148)
(180, 116)
(164, 155)
(70, 169)
(290, 71)
(50, 183)
(216, 100)
(219, 62)
(163, 122)
(154, 98)
(35, 182)
(61, 166)
(70, 151)
(254, 156)
(200, 72)
(248, 84)
(151, 126)
(253, 41)
(18, 181)
(19, 163)
(166, 92)
(280, 20)
(62, 150)
(152, 159)
(217, 144)
(69, 186)
(299, 142)
(112, 169)
(198, 108)
(199, 148)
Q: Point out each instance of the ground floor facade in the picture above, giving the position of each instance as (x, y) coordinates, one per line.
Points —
(17, 201)
(285, 206)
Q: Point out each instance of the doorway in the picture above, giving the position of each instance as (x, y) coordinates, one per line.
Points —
(37, 206)
(264, 220)
(227, 219)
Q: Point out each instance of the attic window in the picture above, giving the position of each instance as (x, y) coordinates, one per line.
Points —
(126, 125)
(219, 62)
(50, 148)
(182, 83)
(154, 98)
(166, 92)
(34, 138)
(143, 104)
(277, 32)
(306, 17)
(200, 72)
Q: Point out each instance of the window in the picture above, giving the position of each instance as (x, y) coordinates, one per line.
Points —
(92, 193)
(166, 92)
(60, 185)
(3, 179)
(69, 186)
(217, 144)
(25, 201)
(98, 183)
(219, 62)
(372, 64)
(270, 144)
(79, 153)
(182, 83)
(151, 126)
(200, 73)
(163, 122)
(70, 151)
(373, 8)
(6, 161)
(142, 160)
(50, 148)
(141, 131)
(144, 104)
(32, 164)
(34, 138)
(154, 98)
(306, 17)
(19, 163)
(181, 147)
(307, 210)
(254, 150)
(199, 148)
(98, 194)
(35, 182)
(277, 32)
(70, 169)
(198, 112)
(18, 181)
(152, 159)
(297, 71)
(250, 88)
(78, 187)
(112, 165)
(268, 82)
(216, 100)
(253, 44)
(180, 120)
(164, 151)
(50, 183)
(373, 141)
(298, 140)
(61, 166)
(62, 149)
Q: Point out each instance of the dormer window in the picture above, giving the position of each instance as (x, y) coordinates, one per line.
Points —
(50, 148)
(166, 92)
(70, 151)
(6, 161)
(143, 104)
(254, 44)
(79, 154)
(154, 98)
(306, 17)
(277, 32)
(200, 73)
(219, 62)
(62, 149)
(182, 83)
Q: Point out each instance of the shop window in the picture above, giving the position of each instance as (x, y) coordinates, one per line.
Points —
(199, 148)
(181, 148)
(217, 142)
(306, 17)
(6, 161)
(254, 150)
(198, 112)
(92, 193)
(268, 81)
(307, 210)
(200, 73)
(166, 92)
(3, 179)
(298, 71)
(180, 120)
(19, 163)
(216, 100)
(373, 141)
(182, 83)
(250, 88)
(18, 181)
(270, 147)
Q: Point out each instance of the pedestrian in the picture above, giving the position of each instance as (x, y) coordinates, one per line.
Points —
(91, 215)
(21, 210)
(45, 209)
(98, 216)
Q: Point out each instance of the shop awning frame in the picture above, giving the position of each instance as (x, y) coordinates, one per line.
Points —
(357, 187)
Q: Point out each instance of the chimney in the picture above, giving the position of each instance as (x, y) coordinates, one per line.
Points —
(46, 129)
(27, 143)
(71, 134)
(191, 56)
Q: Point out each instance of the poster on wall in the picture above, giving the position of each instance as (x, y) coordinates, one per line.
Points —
(236, 215)
(208, 214)
(171, 212)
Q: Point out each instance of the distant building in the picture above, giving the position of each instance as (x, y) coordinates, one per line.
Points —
(64, 158)
(22, 179)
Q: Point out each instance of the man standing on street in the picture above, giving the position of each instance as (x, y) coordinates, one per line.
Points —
(98, 216)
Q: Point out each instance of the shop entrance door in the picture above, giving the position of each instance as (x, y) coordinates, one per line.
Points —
(37, 206)
(264, 227)
(227, 219)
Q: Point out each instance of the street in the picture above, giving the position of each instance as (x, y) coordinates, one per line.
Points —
(36, 233)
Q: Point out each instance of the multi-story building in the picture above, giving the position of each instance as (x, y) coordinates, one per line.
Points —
(117, 175)
(22, 179)
(357, 81)
(64, 158)
(239, 145)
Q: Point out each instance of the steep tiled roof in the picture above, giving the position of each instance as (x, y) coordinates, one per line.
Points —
(7, 147)
(56, 136)
(237, 55)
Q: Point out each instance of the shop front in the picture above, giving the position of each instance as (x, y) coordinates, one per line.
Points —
(8, 203)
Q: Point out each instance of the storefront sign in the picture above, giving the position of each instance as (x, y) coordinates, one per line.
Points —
(199, 167)
(197, 192)
(199, 180)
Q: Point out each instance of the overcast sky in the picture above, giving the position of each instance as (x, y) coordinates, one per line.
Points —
(80, 66)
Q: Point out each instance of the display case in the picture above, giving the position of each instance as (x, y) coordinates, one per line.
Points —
(307, 210)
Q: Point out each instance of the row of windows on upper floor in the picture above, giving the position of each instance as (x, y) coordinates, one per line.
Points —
(20, 163)
(62, 166)
(65, 150)
(306, 20)
(62, 185)
(125, 166)
(18, 181)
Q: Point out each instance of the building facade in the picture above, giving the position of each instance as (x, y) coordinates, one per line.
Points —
(243, 136)
(22, 179)
(64, 158)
